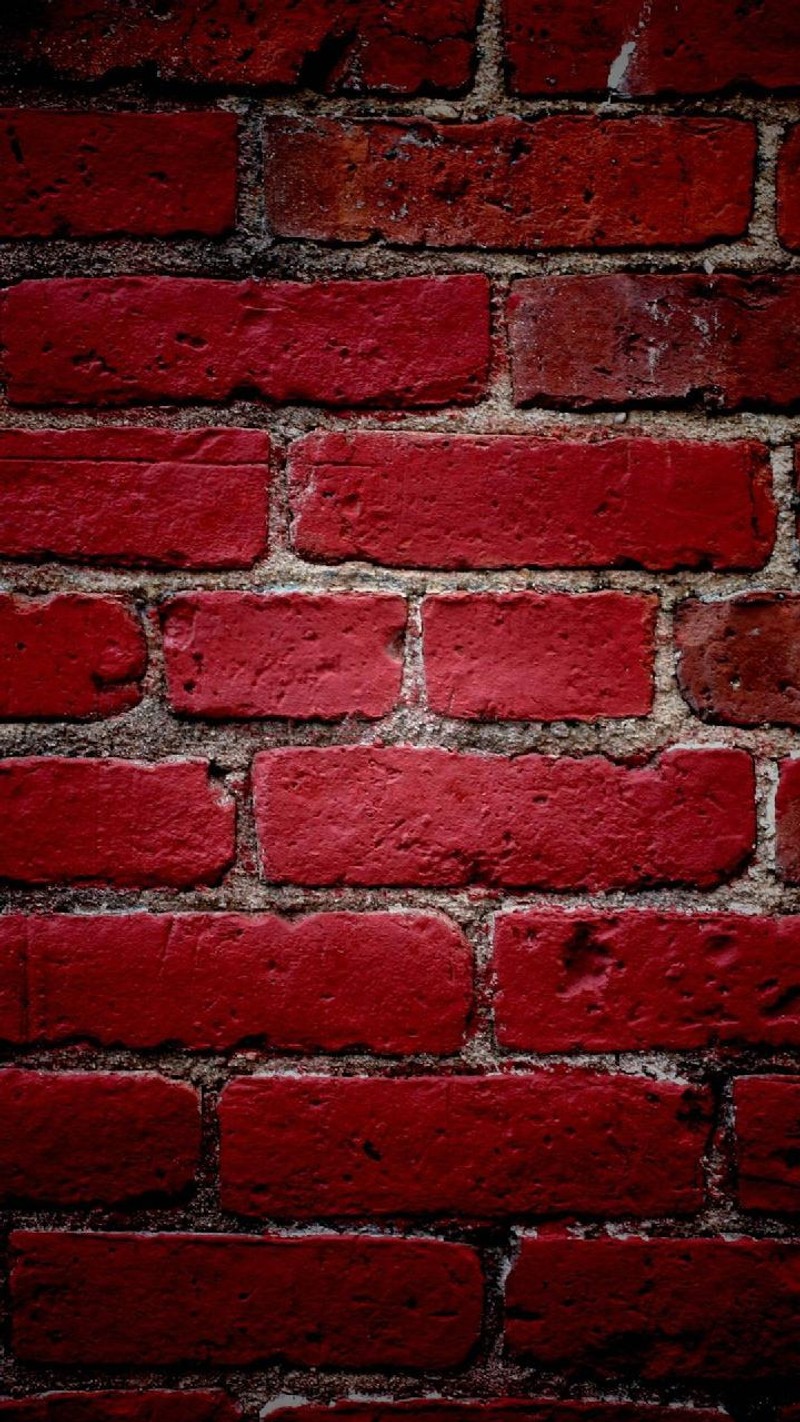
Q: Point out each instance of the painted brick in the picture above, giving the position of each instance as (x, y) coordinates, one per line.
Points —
(90, 174)
(767, 1135)
(292, 654)
(111, 821)
(787, 814)
(483, 501)
(468, 1147)
(119, 340)
(788, 181)
(739, 659)
(334, 1300)
(365, 815)
(69, 656)
(155, 1406)
(726, 341)
(181, 499)
(563, 181)
(639, 981)
(539, 656)
(716, 1309)
(83, 1137)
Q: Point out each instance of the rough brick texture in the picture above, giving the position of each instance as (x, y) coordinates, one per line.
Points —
(767, 1132)
(148, 1406)
(787, 805)
(789, 190)
(739, 660)
(523, 1409)
(68, 656)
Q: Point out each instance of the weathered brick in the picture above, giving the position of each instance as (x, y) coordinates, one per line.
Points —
(788, 181)
(71, 655)
(149, 1406)
(787, 813)
(546, 1409)
(767, 1133)
(739, 659)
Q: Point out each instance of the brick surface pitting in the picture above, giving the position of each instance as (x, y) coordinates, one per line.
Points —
(69, 656)
(739, 660)
(767, 1135)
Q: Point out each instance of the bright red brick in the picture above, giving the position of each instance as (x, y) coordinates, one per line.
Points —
(119, 340)
(523, 1409)
(539, 656)
(787, 812)
(367, 815)
(69, 656)
(329, 1301)
(563, 181)
(727, 341)
(403, 47)
(698, 47)
(291, 654)
(184, 499)
(89, 174)
(386, 982)
(639, 981)
(470, 1147)
(788, 180)
(115, 822)
(82, 1137)
(183, 1406)
(483, 501)
(713, 1309)
(739, 659)
(767, 1127)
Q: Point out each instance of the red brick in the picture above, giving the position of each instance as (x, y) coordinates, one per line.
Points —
(546, 1409)
(82, 1137)
(788, 180)
(69, 656)
(183, 1406)
(727, 341)
(402, 47)
(540, 656)
(469, 1147)
(767, 1126)
(185, 499)
(563, 181)
(787, 812)
(386, 982)
(714, 1309)
(698, 47)
(243, 654)
(90, 174)
(739, 659)
(114, 822)
(367, 815)
(478, 501)
(639, 981)
(119, 340)
(329, 1301)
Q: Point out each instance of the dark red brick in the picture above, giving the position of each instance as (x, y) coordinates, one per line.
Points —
(183, 1406)
(523, 1409)
(787, 814)
(69, 656)
(767, 1132)
(788, 180)
(739, 658)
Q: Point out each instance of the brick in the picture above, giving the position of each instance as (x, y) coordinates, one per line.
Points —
(69, 656)
(388, 983)
(788, 181)
(539, 656)
(183, 1406)
(716, 1309)
(85, 1137)
(644, 981)
(468, 1147)
(767, 1134)
(701, 47)
(121, 340)
(243, 654)
(787, 814)
(114, 822)
(367, 815)
(563, 181)
(726, 341)
(135, 497)
(483, 501)
(330, 1301)
(739, 658)
(94, 174)
(401, 47)
(546, 1409)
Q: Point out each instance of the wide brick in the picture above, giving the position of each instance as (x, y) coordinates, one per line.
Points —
(114, 822)
(639, 981)
(715, 1309)
(389, 983)
(478, 501)
(168, 498)
(68, 656)
(788, 180)
(563, 181)
(155, 1406)
(739, 659)
(469, 1147)
(539, 656)
(83, 1137)
(89, 174)
(523, 1409)
(699, 47)
(728, 341)
(336, 1300)
(119, 340)
(243, 654)
(368, 815)
(767, 1133)
(787, 814)
(402, 47)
